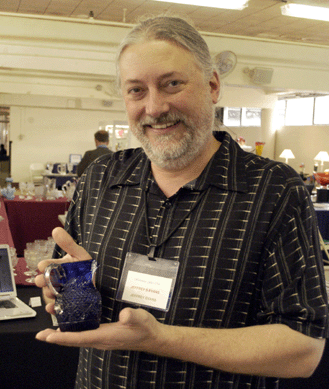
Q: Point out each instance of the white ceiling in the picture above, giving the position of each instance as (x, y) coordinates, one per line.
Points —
(261, 19)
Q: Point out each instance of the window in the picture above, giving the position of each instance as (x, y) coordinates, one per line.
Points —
(251, 117)
(300, 112)
(321, 110)
(232, 117)
(280, 113)
(303, 111)
(242, 117)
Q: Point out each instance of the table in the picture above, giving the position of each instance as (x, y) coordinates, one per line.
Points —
(61, 179)
(31, 219)
(28, 363)
(5, 233)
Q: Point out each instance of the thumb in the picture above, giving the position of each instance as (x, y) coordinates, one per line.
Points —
(66, 242)
(132, 316)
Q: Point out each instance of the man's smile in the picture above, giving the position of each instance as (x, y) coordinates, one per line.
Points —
(162, 126)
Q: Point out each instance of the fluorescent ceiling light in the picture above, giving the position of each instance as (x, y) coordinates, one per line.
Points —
(227, 4)
(305, 11)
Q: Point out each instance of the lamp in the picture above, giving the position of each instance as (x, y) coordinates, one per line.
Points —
(287, 154)
(227, 4)
(322, 156)
(305, 11)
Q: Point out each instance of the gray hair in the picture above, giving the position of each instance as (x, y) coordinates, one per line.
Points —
(172, 29)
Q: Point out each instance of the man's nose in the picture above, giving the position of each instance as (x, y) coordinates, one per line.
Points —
(156, 104)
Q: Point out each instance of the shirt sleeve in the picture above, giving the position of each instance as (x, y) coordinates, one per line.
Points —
(293, 286)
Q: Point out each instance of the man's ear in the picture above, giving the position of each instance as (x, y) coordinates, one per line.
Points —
(214, 87)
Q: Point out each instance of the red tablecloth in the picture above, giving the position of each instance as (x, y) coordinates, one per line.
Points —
(30, 219)
(5, 234)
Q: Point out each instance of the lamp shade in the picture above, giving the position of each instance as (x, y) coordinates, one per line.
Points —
(287, 154)
(322, 156)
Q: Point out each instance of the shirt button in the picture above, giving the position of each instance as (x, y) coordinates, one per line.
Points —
(167, 204)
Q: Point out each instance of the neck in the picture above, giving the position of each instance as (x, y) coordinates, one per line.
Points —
(170, 181)
(101, 144)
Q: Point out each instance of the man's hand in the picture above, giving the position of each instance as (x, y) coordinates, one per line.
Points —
(74, 253)
(136, 330)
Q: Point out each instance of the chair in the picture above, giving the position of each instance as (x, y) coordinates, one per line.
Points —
(36, 170)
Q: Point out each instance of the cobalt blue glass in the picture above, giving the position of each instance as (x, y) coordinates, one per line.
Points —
(78, 304)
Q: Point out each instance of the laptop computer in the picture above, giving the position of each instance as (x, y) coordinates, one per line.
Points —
(11, 307)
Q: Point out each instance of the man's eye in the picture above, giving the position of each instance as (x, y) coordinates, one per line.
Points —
(134, 90)
(174, 83)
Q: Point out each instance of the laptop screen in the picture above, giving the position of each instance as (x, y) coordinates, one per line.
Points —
(6, 284)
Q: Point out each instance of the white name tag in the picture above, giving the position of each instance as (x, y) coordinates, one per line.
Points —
(145, 289)
(146, 282)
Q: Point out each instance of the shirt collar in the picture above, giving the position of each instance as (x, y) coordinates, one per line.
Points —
(226, 170)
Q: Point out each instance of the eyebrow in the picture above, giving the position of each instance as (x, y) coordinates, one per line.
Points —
(162, 77)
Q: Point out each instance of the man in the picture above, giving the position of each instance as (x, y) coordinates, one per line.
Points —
(102, 147)
(3, 153)
(236, 231)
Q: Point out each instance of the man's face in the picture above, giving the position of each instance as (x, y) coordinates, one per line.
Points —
(169, 103)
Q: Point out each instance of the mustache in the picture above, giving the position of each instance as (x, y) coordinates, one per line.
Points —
(169, 117)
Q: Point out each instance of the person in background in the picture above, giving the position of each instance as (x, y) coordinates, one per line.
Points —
(102, 147)
(3, 153)
(236, 230)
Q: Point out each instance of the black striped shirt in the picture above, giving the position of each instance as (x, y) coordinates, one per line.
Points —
(246, 238)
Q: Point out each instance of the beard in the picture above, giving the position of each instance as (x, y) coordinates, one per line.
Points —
(177, 150)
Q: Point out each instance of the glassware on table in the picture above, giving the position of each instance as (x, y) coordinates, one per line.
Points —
(50, 167)
(61, 168)
(41, 247)
(51, 191)
(30, 190)
(35, 252)
(14, 258)
(9, 191)
(51, 245)
(29, 248)
(32, 259)
(39, 192)
(68, 190)
(70, 167)
(23, 189)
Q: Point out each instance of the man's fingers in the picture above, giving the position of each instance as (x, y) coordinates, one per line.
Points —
(73, 339)
(66, 242)
(50, 308)
(40, 281)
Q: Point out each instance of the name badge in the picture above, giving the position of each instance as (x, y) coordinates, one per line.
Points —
(147, 282)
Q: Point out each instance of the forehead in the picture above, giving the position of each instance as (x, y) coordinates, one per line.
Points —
(153, 58)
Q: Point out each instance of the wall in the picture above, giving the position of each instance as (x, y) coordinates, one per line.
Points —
(305, 142)
(52, 134)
